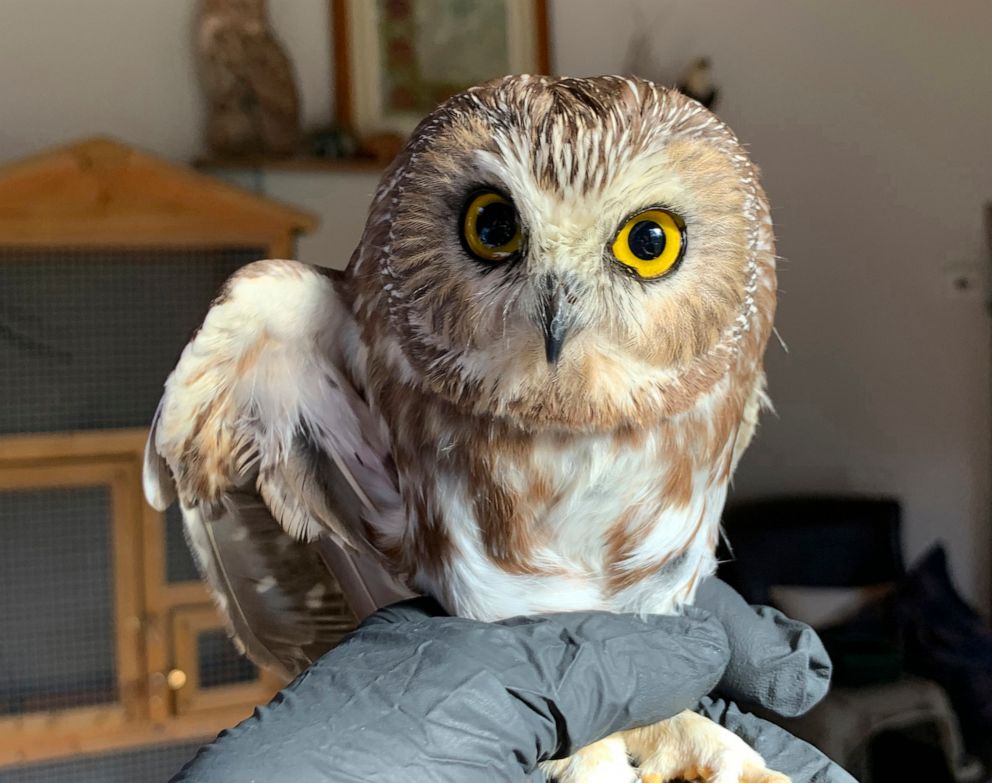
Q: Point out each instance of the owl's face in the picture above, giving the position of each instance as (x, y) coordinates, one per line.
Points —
(568, 252)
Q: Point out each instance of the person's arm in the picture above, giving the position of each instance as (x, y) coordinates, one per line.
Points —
(417, 696)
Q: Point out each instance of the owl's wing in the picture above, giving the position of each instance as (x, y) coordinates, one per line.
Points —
(268, 446)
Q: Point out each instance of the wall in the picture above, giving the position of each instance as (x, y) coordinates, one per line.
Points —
(125, 68)
(872, 123)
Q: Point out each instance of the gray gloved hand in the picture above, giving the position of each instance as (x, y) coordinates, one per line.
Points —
(775, 663)
(415, 695)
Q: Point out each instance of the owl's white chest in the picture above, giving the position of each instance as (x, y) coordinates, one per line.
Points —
(597, 527)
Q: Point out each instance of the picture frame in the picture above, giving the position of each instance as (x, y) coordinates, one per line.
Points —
(395, 60)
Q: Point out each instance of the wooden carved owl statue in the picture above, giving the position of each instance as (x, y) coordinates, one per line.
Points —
(527, 392)
(254, 106)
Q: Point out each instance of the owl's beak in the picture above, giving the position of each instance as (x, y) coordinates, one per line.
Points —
(554, 319)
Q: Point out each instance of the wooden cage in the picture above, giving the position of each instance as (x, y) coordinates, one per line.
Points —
(109, 643)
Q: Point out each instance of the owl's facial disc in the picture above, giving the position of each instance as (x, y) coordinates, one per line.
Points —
(568, 251)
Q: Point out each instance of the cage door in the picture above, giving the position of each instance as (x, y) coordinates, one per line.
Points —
(70, 601)
(209, 672)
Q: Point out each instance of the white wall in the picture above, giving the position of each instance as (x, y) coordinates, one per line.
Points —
(71, 68)
(872, 123)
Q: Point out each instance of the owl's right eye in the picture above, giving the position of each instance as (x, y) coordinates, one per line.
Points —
(491, 227)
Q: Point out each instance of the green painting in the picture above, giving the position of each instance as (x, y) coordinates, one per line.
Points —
(433, 49)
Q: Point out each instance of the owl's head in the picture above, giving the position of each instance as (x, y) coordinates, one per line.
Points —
(575, 253)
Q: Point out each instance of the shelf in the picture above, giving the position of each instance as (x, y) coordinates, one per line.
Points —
(300, 164)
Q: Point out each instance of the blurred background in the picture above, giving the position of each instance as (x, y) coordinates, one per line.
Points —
(125, 129)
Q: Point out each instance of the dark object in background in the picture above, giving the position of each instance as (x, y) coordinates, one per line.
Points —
(333, 144)
(909, 754)
(814, 541)
(254, 106)
(948, 642)
(864, 654)
(697, 83)
(825, 542)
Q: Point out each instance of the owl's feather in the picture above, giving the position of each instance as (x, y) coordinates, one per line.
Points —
(282, 604)
(266, 442)
(756, 404)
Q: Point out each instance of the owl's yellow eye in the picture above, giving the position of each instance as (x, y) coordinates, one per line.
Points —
(651, 243)
(491, 227)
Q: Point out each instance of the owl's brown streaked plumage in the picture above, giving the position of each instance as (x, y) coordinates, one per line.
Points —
(549, 431)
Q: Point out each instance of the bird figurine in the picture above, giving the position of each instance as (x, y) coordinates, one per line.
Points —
(253, 104)
(526, 393)
(697, 83)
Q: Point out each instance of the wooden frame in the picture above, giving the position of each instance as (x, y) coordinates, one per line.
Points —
(144, 607)
(83, 736)
(358, 61)
(27, 463)
(190, 697)
(101, 193)
(122, 478)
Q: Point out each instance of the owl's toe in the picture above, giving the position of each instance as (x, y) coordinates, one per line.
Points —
(602, 762)
(693, 748)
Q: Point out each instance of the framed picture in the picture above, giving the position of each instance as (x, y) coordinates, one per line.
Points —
(396, 60)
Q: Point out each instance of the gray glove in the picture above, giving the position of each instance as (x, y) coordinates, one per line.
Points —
(417, 696)
(775, 663)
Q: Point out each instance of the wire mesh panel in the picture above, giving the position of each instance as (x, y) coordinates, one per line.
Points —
(218, 661)
(87, 337)
(57, 639)
(155, 764)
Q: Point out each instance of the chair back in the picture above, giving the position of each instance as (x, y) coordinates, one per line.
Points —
(811, 541)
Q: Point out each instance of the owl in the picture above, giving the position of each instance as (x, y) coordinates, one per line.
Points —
(254, 106)
(527, 392)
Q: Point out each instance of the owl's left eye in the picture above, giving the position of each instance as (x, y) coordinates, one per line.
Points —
(491, 227)
(651, 243)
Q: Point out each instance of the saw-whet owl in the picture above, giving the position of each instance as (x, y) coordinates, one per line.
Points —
(526, 393)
